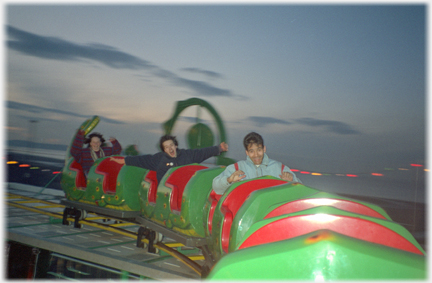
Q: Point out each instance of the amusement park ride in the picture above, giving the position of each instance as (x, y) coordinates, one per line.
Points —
(264, 228)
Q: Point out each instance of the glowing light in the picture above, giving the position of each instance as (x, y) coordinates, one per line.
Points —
(321, 201)
(304, 172)
(56, 172)
(377, 174)
(321, 217)
(403, 169)
(12, 162)
(34, 167)
(316, 174)
(295, 170)
(318, 276)
(416, 165)
(426, 170)
(351, 175)
(330, 256)
(24, 165)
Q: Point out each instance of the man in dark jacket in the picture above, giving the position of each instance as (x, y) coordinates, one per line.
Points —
(171, 156)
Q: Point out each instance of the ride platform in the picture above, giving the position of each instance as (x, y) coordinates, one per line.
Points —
(35, 219)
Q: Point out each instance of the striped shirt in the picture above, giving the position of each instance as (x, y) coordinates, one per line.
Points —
(83, 155)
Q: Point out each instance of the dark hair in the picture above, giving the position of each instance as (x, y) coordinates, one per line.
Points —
(167, 138)
(252, 138)
(88, 140)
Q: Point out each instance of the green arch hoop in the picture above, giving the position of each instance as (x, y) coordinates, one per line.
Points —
(182, 105)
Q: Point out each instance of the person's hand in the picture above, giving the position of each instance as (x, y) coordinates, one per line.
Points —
(111, 139)
(223, 146)
(118, 160)
(81, 130)
(236, 176)
(287, 176)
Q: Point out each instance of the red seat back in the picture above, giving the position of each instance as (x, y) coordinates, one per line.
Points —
(80, 178)
(152, 180)
(294, 226)
(307, 203)
(177, 182)
(110, 170)
(214, 199)
(234, 201)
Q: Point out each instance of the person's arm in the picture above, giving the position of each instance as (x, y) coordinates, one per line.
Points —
(116, 147)
(118, 160)
(223, 147)
(201, 154)
(147, 161)
(289, 175)
(76, 148)
(220, 182)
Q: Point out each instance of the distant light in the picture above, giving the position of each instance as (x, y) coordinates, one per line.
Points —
(316, 174)
(295, 170)
(416, 165)
(403, 169)
(24, 165)
(340, 175)
(377, 174)
(56, 172)
(351, 175)
(12, 162)
(46, 170)
(426, 170)
(34, 167)
(304, 172)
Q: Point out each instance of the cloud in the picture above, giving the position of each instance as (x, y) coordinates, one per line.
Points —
(32, 118)
(203, 88)
(58, 49)
(39, 109)
(210, 74)
(263, 121)
(332, 126)
(191, 119)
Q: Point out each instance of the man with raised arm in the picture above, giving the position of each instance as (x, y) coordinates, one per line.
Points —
(171, 156)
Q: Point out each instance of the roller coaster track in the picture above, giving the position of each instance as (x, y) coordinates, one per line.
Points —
(43, 207)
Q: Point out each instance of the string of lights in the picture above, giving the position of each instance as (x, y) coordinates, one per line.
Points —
(305, 172)
(26, 165)
(377, 174)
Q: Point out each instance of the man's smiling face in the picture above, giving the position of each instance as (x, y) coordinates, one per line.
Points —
(256, 153)
(170, 148)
